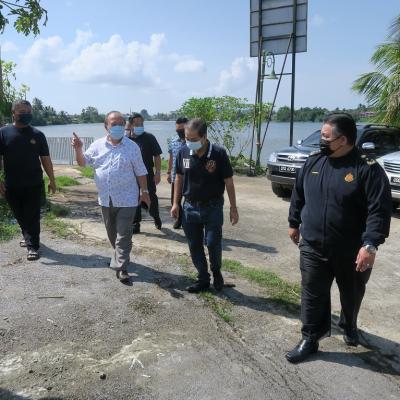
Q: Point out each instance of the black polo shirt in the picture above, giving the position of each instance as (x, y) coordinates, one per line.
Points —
(149, 148)
(203, 177)
(21, 149)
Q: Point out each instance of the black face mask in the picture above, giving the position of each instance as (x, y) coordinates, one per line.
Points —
(25, 118)
(181, 133)
(325, 146)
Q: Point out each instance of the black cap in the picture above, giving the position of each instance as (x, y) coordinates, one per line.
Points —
(136, 115)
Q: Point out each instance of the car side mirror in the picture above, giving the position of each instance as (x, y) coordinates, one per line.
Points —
(368, 146)
(300, 141)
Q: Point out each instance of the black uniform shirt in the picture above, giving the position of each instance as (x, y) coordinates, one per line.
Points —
(149, 148)
(341, 202)
(203, 177)
(21, 149)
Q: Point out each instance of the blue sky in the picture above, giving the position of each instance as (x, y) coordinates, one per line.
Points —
(155, 54)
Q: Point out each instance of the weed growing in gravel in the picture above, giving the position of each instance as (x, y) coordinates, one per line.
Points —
(221, 307)
(55, 225)
(62, 181)
(278, 290)
(87, 172)
(8, 229)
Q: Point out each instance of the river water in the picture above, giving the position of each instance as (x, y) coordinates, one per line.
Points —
(277, 136)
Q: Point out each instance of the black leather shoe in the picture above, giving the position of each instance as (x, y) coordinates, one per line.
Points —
(136, 228)
(351, 337)
(158, 223)
(198, 287)
(218, 281)
(303, 350)
(177, 225)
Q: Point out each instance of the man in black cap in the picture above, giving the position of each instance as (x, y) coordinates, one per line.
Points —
(151, 154)
(342, 204)
(203, 170)
(25, 152)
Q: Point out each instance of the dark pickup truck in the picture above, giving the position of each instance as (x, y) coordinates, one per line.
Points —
(373, 140)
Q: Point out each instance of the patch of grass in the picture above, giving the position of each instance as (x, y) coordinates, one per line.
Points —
(87, 172)
(219, 306)
(278, 290)
(8, 230)
(164, 165)
(55, 225)
(62, 181)
(58, 210)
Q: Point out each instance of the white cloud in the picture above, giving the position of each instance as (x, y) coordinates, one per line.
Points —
(191, 65)
(8, 47)
(51, 53)
(317, 20)
(117, 62)
(238, 76)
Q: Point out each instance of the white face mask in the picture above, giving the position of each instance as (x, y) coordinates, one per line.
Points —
(194, 146)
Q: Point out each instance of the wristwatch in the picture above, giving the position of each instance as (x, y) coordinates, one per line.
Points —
(370, 248)
(145, 191)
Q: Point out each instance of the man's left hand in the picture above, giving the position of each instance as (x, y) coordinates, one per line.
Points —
(234, 216)
(52, 187)
(157, 179)
(365, 260)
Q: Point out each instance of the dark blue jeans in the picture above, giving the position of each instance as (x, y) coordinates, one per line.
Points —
(203, 226)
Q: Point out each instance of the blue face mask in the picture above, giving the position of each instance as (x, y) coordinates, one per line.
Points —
(138, 130)
(194, 146)
(117, 132)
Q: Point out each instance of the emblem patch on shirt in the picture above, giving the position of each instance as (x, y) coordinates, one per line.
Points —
(211, 166)
(186, 163)
(349, 177)
(32, 141)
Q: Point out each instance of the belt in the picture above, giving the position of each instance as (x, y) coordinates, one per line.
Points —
(203, 203)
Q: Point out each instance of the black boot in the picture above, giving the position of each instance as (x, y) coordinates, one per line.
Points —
(198, 287)
(350, 337)
(302, 351)
(218, 281)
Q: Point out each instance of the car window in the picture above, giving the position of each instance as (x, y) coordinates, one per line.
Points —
(312, 140)
(386, 141)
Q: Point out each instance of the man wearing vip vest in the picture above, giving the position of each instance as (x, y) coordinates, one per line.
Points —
(203, 170)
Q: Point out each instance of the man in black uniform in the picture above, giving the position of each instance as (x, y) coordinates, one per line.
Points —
(151, 154)
(203, 171)
(342, 204)
(25, 150)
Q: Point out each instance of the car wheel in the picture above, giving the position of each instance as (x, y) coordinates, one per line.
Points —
(280, 190)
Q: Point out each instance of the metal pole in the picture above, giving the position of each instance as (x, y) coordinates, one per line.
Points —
(293, 72)
(276, 93)
(259, 72)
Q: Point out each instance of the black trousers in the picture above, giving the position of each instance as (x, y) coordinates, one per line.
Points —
(179, 220)
(25, 204)
(154, 210)
(317, 275)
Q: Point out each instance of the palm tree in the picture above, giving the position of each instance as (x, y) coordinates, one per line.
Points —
(381, 88)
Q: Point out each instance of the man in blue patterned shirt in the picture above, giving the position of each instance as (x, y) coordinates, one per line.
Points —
(118, 166)
(174, 145)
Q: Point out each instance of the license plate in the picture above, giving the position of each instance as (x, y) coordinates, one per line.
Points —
(395, 180)
(291, 170)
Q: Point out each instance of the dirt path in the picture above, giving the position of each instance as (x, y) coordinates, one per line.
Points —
(152, 340)
(65, 320)
(260, 240)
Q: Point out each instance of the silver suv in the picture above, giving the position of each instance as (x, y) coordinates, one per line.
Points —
(391, 165)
